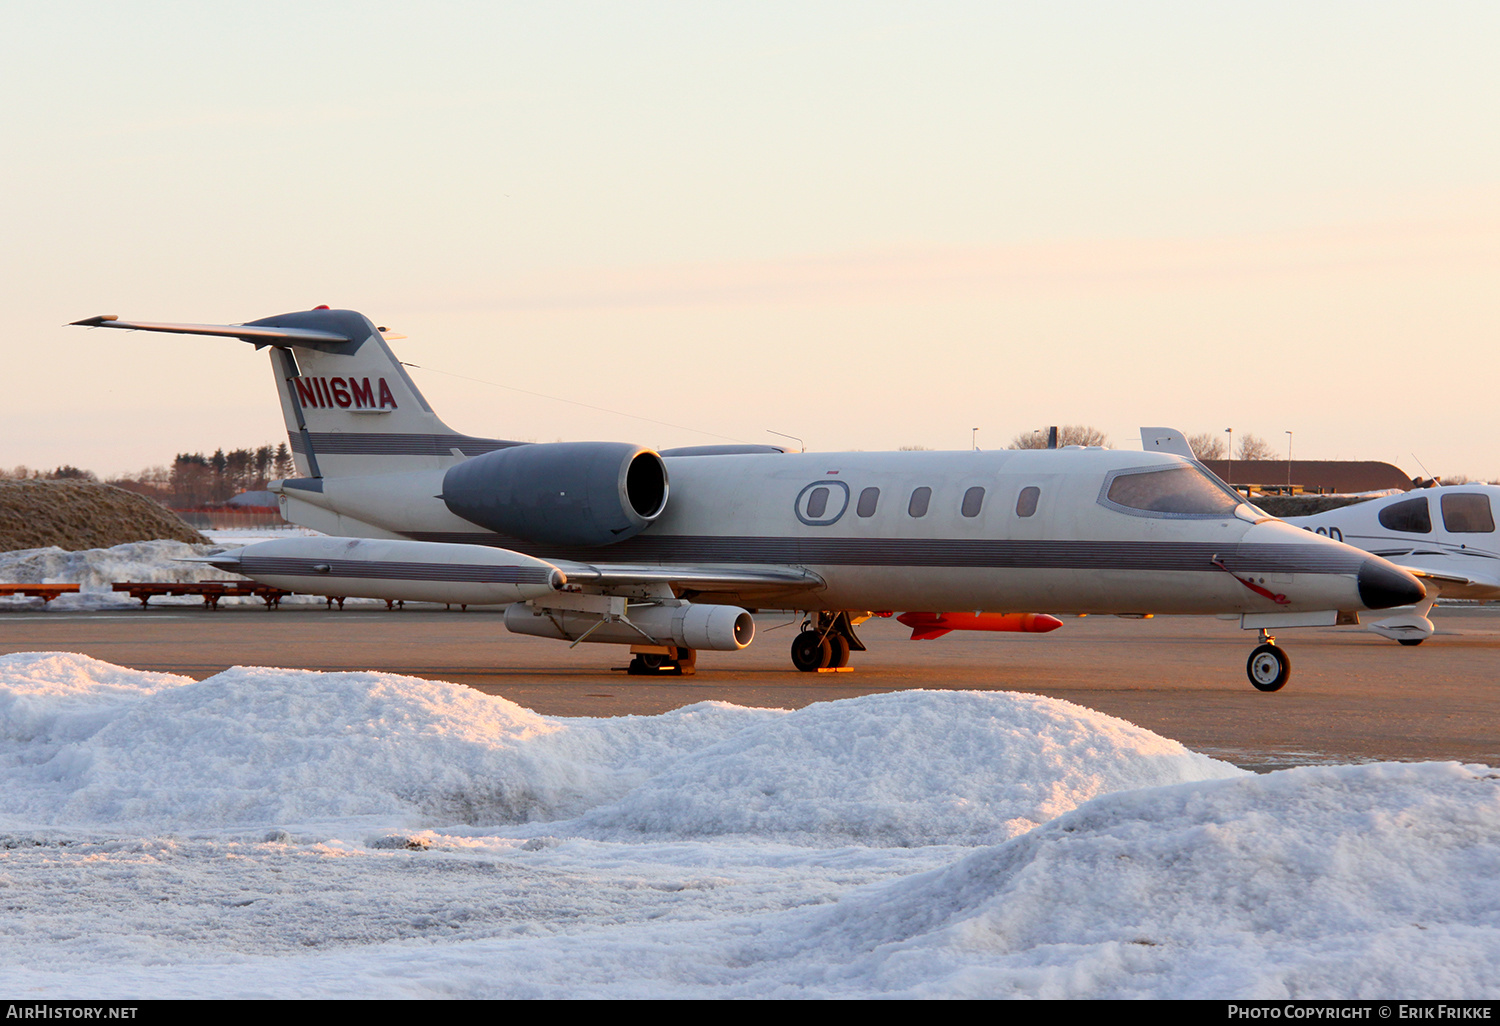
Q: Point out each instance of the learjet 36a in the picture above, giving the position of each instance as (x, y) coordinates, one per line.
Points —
(669, 552)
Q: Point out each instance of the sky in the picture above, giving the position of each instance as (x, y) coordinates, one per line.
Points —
(867, 225)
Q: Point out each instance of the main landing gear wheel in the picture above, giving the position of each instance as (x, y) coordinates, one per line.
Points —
(839, 650)
(681, 662)
(826, 640)
(1268, 668)
(1411, 641)
(811, 652)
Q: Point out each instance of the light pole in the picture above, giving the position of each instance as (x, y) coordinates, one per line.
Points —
(974, 439)
(1230, 471)
(1289, 463)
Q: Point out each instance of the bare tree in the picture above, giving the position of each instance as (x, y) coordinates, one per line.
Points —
(1208, 445)
(1253, 447)
(1068, 434)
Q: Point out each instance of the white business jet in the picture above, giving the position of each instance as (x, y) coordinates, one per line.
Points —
(668, 552)
(1443, 535)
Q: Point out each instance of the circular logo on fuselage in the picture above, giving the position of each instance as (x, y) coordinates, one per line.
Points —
(822, 503)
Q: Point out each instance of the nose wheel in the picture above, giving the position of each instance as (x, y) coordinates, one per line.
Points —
(1269, 666)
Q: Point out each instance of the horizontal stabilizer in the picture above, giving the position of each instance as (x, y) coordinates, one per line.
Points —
(258, 336)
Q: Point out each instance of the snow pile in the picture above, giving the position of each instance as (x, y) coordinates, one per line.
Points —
(370, 835)
(917, 767)
(1365, 881)
(95, 570)
(255, 746)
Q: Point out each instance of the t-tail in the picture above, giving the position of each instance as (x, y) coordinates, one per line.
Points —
(350, 407)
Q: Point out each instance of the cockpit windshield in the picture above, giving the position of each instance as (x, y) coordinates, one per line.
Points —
(1184, 490)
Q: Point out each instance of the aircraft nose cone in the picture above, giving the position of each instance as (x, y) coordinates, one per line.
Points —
(1383, 586)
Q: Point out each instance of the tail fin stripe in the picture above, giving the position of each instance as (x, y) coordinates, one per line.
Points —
(338, 443)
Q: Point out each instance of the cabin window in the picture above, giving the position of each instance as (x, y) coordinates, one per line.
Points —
(1468, 513)
(973, 502)
(1183, 490)
(868, 499)
(917, 507)
(1026, 501)
(1409, 517)
(817, 503)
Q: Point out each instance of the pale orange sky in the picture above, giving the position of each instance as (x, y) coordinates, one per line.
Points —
(869, 225)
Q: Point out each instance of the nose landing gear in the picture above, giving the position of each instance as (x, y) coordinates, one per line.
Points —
(1269, 666)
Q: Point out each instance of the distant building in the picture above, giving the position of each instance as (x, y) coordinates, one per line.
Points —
(1341, 477)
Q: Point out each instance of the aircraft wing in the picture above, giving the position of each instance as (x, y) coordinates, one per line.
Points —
(706, 578)
(1451, 585)
(747, 582)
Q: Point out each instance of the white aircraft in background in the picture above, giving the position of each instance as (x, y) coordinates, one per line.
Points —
(668, 552)
(1443, 535)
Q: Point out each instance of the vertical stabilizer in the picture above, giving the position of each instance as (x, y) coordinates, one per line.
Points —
(349, 405)
(352, 409)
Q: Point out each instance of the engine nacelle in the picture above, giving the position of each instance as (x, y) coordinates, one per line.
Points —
(689, 625)
(562, 493)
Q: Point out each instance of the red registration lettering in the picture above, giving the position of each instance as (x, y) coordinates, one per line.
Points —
(307, 393)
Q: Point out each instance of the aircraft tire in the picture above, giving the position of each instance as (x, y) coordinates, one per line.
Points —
(654, 665)
(1410, 641)
(839, 654)
(810, 652)
(1268, 668)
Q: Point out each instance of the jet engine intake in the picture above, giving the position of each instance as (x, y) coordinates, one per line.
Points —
(561, 493)
(688, 625)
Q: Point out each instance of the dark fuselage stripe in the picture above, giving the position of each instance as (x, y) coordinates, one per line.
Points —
(936, 552)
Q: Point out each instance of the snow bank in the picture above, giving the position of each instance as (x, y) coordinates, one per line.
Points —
(917, 767)
(1347, 882)
(95, 570)
(276, 833)
(258, 746)
(1350, 881)
(253, 746)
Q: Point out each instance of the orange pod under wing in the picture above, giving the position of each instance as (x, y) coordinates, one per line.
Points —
(925, 626)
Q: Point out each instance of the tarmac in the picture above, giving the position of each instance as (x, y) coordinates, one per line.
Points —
(1352, 696)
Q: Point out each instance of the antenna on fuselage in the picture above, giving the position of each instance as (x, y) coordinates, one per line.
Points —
(792, 437)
